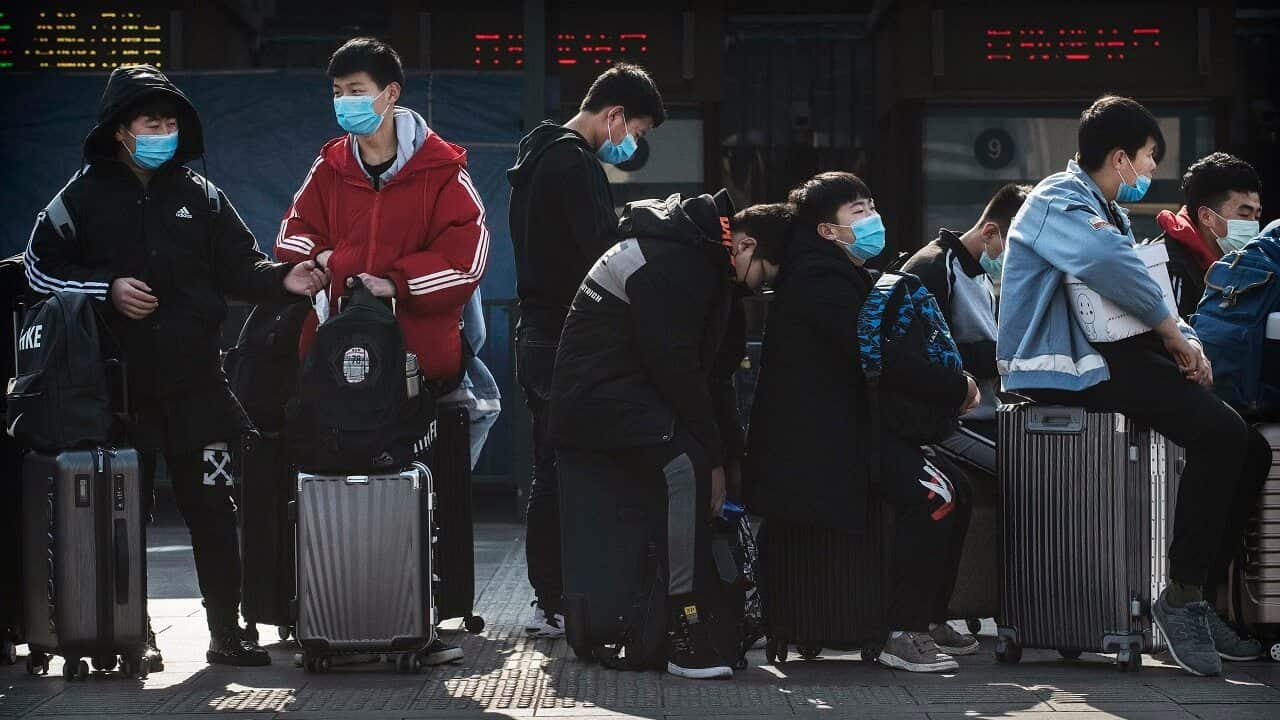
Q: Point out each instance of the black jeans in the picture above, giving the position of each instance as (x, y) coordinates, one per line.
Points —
(931, 503)
(1147, 387)
(202, 487)
(1245, 498)
(535, 362)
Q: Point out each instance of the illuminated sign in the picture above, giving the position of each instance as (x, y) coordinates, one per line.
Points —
(1074, 44)
(55, 39)
(505, 51)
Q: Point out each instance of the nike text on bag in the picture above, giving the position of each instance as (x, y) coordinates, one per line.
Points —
(68, 382)
(900, 310)
(353, 412)
(1241, 291)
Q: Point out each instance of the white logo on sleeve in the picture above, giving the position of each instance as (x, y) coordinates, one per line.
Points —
(183, 213)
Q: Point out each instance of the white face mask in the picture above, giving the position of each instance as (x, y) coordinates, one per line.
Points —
(1239, 233)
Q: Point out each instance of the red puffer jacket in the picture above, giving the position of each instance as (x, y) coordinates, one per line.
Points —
(424, 229)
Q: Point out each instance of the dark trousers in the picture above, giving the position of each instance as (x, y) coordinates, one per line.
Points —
(931, 504)
(535, 361)
(1245, 498)
(1147, 387)
(202, 487)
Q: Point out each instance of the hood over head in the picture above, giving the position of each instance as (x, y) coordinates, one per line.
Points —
(537, 142)
(695, 220)
(126, 88)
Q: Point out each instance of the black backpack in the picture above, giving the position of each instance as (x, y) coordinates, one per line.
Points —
(353, 413)
(263, 366)
(69, 377)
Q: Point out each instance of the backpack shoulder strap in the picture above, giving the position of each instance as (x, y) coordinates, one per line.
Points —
(871, 320)
(57, 213)
(210, 191)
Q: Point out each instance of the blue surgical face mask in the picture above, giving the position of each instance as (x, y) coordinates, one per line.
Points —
(152, 151)
(993, 266)
(1132, 193)
(356, 115)
(616, 154)
(1239, 233)
(868, 237)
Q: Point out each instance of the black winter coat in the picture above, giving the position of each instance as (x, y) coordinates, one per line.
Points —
(170, 234)
(642, 346)
(809, 446)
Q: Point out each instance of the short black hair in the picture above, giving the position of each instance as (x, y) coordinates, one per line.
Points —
(1005, 204)
(770, 225)
(157, 104)
(817, 199)
(1115, 122)
(1210, 180)
(370, 55)
(629, 86)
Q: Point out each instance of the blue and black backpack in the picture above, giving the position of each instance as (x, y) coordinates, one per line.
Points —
(1241, 290)
(900, 309)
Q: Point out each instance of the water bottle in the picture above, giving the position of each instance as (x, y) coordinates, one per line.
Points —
(1271, 352)
(412, 375)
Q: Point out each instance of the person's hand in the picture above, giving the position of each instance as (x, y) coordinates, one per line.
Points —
(1203, 372)
(380, 287)
(133, 298)
(323, 259)
(306, 278)
(1186, 355)
(973, 397)
(717, 490)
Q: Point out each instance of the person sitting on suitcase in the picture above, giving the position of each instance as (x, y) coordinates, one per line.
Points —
(1072, 225)
(959, 269)
(159, 247)
(635, 382)
(391, 203)
(811, 437)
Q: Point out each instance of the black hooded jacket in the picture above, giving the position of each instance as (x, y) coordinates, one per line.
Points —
(642, 345)
(182, 238)
(562, 220)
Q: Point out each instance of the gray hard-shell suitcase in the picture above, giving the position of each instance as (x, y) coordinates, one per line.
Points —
(84, 560)
(364, 566)
(1256, 589)
(1086, 500)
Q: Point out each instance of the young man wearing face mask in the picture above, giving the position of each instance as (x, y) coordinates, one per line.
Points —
(1071, 225)
(159, 247)
(390, 204)
(641, 379)
(810, 437)
(960, 270)
(1222, 212)
(562, 219)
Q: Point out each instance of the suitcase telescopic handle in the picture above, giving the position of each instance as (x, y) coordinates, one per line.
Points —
(1055, 420)
(120, 548)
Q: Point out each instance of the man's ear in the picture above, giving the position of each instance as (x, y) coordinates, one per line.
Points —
(393, 92)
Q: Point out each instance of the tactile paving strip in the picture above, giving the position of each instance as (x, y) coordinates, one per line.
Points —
(986, 694)
(17, 703)
(227, 700)
(1201, 691)
(820, 697)
(90, 700)
(353, 700)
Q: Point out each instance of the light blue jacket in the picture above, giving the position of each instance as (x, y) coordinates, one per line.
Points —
(1066, 227)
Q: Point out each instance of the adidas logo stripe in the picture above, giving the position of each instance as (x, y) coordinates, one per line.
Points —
(183, 212)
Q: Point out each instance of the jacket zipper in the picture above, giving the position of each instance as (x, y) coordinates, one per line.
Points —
(373, 231)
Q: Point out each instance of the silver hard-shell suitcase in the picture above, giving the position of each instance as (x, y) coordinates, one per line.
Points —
(1256, 580)
(1086, 501)
(84, 561)
(364, 567)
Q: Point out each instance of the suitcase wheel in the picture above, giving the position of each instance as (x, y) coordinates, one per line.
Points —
(776, 650)
(1129, 661)
(323, 664)
(402, 664)
(1274, 651)
(1070, 653)
(135, 667)
(474, 624)
(974, 625)
(286, 631)
(309, 663)
(1008, 652)
(8, 652)
(75, 669)
(105, 663)
(810, 652)
(871, 654)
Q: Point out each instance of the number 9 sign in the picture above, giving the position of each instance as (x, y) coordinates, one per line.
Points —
(993, 149)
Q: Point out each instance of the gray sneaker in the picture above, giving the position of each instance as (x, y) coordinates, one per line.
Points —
(952, 642)
(1229, 643)
(916, 652)
(1187, 629)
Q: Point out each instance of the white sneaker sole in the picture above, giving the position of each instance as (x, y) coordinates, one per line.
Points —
(894, 661)
(1156, 619)
(712, 673)
(1240, 658)
(966, 650)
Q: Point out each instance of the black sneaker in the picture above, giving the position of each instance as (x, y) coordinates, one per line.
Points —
(1187, 630)
(692, 653)
(228, 648)
(441, 652)
(151, 653)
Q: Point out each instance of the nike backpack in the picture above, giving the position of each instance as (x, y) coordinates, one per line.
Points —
(353, 413)
(1241, 291)
(69, 377)
(262, 368)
